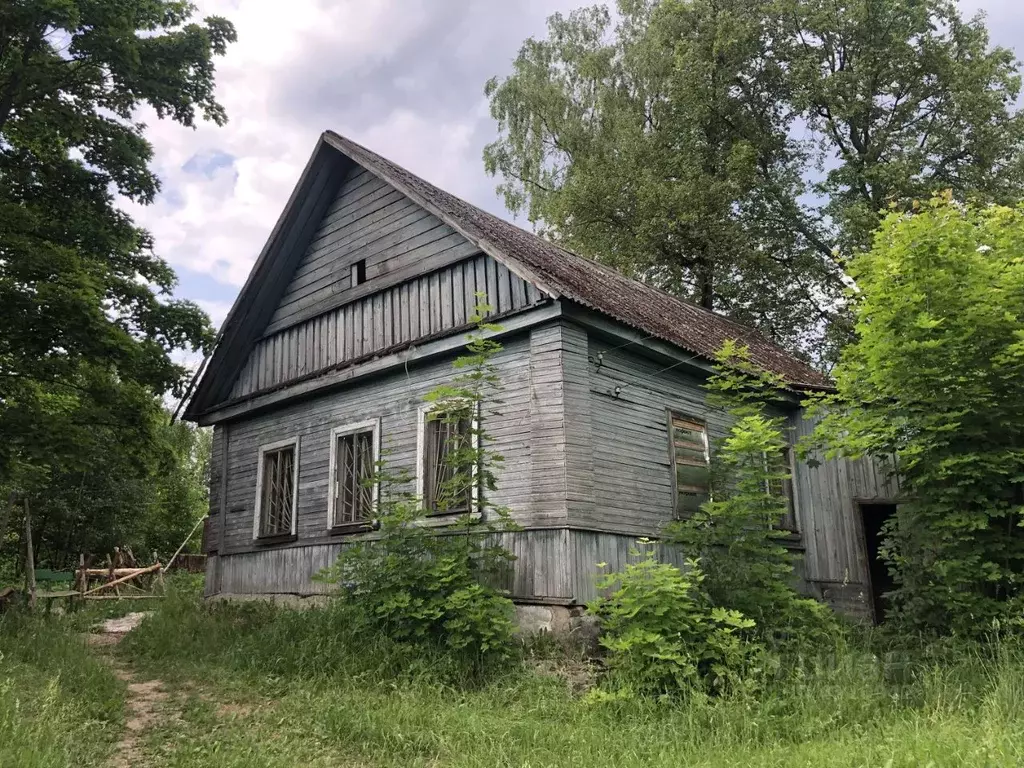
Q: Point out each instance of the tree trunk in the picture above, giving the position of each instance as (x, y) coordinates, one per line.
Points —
(706, 282)
(30, 560)
(6, 513)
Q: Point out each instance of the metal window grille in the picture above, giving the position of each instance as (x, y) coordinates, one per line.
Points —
(448, 480)
(353, 500)
(278, 492)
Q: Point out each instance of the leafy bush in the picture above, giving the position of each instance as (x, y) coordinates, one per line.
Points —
(419, 586)
(664, 636)
(737, 537)
(421, 582)
(935, 377)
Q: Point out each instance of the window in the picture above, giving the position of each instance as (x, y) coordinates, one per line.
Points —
(359, 273)
(691, 463)
(355, 449)
(444, 438)
(784, 488)
(277, 489)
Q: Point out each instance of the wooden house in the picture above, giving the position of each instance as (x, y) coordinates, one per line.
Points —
(354, 310)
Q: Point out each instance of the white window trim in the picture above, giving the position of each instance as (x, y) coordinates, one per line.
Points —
(421, 438)
(264, 449)
(372, 425)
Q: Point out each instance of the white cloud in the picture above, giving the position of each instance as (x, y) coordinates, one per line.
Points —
(404, 77)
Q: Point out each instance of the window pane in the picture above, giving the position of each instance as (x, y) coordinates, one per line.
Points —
(447, 486)
(354, 471)
(690, 463)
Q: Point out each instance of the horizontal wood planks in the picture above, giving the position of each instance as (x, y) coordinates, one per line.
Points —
(395, 399)
(425, 305)
(629, 397)
(216, 493)
(371, 222)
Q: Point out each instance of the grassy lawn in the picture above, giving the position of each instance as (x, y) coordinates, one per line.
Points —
(59, 704)
(250, 686)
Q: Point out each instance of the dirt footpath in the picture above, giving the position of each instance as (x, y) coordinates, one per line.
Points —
(146, 700)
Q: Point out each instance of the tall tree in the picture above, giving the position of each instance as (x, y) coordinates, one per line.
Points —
(678, 142)
(905, 100)
(87, 325)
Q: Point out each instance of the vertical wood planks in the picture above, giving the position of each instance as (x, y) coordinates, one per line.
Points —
(431, 304)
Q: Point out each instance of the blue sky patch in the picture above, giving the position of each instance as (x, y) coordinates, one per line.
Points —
(208, 163)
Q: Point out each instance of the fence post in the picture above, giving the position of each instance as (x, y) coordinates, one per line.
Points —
(30, 560)
(83, 578)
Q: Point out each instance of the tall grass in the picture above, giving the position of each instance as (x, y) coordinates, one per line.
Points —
(259, 639)
(319, 695)
(59, 704)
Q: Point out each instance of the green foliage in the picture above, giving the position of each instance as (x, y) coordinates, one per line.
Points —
(737, 536)
(59, 704)
(685, 142)
(423, 579)
(271, 687)
(936, 379)
(260, 641)
(904, 100)
(146, 496)
(665, 637)
(89, 325)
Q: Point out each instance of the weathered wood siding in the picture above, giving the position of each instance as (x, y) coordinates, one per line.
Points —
(368, 221)
(628, 399)
(594, 553)
(519, 431)
(830, 519)
(216, 495)
(429, 305)
(539, 572)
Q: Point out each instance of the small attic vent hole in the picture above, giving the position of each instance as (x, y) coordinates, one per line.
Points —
(359, 272)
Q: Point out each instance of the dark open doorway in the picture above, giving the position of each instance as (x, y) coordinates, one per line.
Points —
(873, 517)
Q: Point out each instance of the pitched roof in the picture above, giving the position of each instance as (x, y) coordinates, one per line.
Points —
(585, 281)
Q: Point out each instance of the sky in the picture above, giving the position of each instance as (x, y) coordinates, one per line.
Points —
(403, 77)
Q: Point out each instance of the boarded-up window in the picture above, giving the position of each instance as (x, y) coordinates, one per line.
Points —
(353, 465)
(447, 470)
(690, 463)
(275, 502)
(784, 487)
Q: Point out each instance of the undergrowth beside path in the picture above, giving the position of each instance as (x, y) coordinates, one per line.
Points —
(60, 704)
(254, 686)
(264, 687)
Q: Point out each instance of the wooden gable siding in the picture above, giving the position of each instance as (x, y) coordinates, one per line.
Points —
(428, 305)
(368, 221)
(395, 399)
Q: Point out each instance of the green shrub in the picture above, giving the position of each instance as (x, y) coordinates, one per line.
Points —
(421, 587)
(935, 377)
(423, 582)
(665, 638)
(738, 536)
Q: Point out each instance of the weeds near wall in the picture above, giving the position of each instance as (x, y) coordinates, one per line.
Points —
(737, 536)
(427, 577)
(666, 638)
